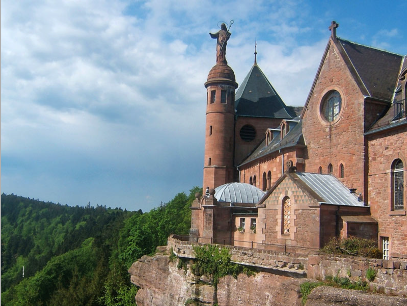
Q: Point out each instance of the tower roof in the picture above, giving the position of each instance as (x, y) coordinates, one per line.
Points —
(256, 97)
(221, 73)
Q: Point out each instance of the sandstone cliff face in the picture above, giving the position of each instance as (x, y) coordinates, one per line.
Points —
(162, 283)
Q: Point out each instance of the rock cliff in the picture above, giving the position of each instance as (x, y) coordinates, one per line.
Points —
(162, 283)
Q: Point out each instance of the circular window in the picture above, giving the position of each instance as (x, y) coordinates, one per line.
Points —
(247, 133)
(331, 106)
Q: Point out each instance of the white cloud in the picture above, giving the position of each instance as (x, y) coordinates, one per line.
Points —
(104, 101)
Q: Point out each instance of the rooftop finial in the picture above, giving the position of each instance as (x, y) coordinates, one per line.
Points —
(332, 28)
(255, 52)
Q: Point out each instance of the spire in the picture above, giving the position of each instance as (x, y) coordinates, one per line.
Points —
(255, 52)
(332, 28)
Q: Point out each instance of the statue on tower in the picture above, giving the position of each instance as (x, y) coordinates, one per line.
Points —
(222, 37)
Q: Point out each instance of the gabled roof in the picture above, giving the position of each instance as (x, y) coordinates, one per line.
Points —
(256, 97)
(375, 71)
(325, 188)
(238, 193)
(293, 138)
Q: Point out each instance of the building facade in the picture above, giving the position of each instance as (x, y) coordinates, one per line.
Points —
(333, 168)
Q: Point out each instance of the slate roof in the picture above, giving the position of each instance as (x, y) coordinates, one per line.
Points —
(392, 118)
(377, 69)
(293, 138)
(238, 193)
(256, 97)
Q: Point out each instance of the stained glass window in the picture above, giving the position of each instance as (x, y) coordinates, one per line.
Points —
(398, 185)
(331, 106)
(286, 215)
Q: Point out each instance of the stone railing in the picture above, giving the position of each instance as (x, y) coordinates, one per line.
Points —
(391, 275)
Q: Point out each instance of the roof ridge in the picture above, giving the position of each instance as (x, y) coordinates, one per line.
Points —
(353, 66)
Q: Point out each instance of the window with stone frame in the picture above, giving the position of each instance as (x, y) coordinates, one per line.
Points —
(253, 222)
(341, 171)
(385, 247)
(213, 96)
(223, 97)
(242, 224)
(264, 181)
(330, 169)
(397, 174)
(286, 216)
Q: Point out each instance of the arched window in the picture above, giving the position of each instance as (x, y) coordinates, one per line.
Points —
(251, 181)
(209, 161)
(264, 181)
(286, 216)
(254, 180)
(320, 170)
(397, 185)
(330, 169)
(269, 180)
(341, 171)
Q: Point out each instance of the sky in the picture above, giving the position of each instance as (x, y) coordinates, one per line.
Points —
(103, 102)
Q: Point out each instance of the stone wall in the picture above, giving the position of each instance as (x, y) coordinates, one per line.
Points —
(384, 148)
(391, 275)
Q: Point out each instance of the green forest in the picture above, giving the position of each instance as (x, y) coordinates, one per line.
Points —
(80, 255)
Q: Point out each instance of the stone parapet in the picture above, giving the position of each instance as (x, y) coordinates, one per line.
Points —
(391, 275)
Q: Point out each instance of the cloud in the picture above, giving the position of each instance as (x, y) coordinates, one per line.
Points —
(103, 101)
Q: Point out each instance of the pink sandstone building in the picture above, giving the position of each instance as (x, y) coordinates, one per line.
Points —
(281, 177)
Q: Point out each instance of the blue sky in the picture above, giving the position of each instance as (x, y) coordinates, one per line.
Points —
(104, 102)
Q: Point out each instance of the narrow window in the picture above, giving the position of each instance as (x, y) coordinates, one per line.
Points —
(286, 215)
(341, 171)
(254, 180)
(210, 130)
(397, 185)
(242, 224)
(223, 96)
(330, 169)
(320, 170)
(385, 247)
(213, 96)
(264, 181)
(251, 181)
(269, 180)
(209, 161)
(253, 225)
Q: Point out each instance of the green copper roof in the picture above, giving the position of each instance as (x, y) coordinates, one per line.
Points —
(256, 97)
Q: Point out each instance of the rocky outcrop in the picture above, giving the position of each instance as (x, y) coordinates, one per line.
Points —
(162, 283)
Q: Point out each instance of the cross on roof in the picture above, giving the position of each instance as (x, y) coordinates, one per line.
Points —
(255, 52)
(332, 28)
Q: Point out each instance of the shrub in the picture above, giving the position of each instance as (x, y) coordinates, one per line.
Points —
(353, 246)
(306, 288)
(371, 274)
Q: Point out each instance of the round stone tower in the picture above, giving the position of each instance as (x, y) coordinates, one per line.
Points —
(220, 116)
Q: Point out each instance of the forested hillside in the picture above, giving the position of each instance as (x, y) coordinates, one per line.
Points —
(79, 255)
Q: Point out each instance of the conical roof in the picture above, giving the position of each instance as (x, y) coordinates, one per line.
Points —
(256, 97)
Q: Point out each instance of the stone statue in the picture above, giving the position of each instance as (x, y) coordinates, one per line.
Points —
(222, 37)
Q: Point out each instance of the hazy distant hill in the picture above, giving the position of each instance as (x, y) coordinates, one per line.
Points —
(79, 255)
